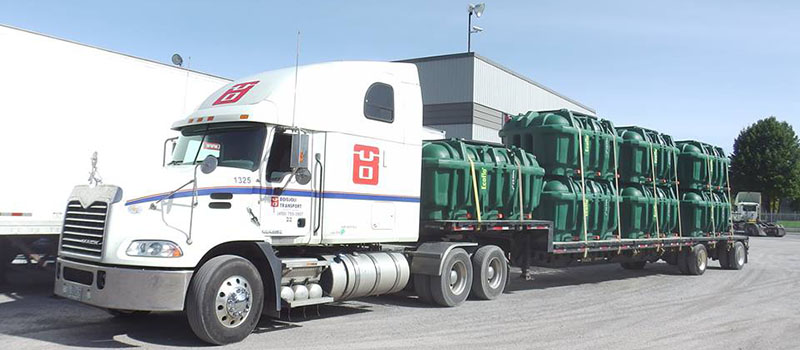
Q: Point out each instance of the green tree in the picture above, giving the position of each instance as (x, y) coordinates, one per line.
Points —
(766, 159)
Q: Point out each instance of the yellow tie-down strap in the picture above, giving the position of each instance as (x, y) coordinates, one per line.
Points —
(475, 188)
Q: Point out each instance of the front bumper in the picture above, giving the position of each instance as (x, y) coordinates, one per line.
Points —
(136, 289)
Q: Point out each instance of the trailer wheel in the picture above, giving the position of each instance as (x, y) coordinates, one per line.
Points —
(697, 260)
(422, 286)
(225, 300)
(453, 286)
(736, 257)
(681, 259)
(633, 265)
(723, 255)
(490, 272)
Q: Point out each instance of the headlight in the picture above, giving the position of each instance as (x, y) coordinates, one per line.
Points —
(161, 249)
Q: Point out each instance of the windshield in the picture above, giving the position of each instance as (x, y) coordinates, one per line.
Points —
(236, 145)
(749, 207)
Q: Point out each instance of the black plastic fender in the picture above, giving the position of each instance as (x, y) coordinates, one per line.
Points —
(428, 259)
(272, 277)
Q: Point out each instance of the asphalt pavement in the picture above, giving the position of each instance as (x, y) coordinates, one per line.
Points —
(599, 307)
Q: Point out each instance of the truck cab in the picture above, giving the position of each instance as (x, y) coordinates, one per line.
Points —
(324, 156)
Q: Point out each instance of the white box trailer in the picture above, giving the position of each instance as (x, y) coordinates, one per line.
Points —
(61, 101)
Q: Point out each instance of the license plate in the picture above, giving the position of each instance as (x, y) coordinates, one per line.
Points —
(72, 291)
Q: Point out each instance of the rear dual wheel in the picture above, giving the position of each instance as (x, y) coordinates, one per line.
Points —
(484, 276)
(732, 258)
(693, 261)
(453, 286)
(491, 272)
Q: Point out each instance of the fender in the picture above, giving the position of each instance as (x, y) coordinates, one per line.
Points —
(428, 259)
(272, 274)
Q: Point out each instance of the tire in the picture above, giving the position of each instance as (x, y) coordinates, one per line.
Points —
(222, 280)
(736, 257)
(117, 313)
(633, 265)
(490, 272)
(670, 258)
(780, 232)
(453, 286)
(681, 260)
(723, 255)
(422, 286)
(697, 260)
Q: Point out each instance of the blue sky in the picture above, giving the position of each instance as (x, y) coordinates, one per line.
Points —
(694, 69)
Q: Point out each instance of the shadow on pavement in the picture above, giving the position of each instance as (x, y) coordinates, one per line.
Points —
(544, 278)
(27, 299)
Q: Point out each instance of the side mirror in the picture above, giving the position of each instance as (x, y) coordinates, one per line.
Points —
(209, 164)
(303, 176)
(173, 141)
(299, 151)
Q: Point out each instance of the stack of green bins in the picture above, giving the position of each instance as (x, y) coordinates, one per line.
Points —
(703, 178)
(508, 181)
(577, 151)
(647, 174)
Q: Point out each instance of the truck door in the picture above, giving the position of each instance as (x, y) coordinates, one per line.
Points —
(290, 199)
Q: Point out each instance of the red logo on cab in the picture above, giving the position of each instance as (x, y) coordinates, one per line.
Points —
(366, 161)
(235, 93)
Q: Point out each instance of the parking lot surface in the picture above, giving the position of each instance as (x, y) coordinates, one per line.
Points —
(600, 307)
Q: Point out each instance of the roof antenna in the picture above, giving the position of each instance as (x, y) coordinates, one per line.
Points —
(296, 67)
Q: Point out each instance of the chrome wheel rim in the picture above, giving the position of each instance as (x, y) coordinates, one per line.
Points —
(702, 259)
(458, 278)
(494, 275)
(739, 255)
(233, 301)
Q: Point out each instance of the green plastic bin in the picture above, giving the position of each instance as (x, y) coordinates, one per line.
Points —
(639, 148)
(644, 214)
(561, 203)
(553, 136)
(702, 166)
(447, 185)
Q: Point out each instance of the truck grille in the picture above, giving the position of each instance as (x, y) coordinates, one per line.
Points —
(84, 229)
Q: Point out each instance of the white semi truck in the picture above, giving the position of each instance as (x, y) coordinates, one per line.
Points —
(301, 187)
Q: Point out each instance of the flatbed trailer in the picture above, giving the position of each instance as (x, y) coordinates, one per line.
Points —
(530, 243)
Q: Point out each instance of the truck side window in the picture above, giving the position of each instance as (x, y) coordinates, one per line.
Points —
(279, 157)
(379, 103)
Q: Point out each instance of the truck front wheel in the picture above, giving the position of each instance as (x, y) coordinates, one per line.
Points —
(225, 300)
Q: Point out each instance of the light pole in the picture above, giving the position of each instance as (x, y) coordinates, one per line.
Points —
(477, 10)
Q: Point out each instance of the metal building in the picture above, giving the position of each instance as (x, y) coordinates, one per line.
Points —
(469, 96)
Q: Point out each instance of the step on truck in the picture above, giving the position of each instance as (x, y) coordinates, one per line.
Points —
(311, 185)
